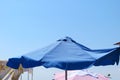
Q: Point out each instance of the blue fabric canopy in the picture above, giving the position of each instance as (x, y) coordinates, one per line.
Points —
(66, 54)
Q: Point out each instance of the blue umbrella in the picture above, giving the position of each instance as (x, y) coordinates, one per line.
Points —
(67, 54)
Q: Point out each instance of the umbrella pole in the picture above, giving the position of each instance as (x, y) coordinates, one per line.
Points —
(65, 74)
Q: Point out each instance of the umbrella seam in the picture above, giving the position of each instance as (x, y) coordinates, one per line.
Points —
(50, 51)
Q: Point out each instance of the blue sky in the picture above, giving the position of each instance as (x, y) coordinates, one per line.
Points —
(26, 25)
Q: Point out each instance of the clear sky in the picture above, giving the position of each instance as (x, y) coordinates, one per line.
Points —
(27, 25)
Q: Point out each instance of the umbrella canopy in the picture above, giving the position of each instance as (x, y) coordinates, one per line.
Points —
(66, 54)
(80, 75)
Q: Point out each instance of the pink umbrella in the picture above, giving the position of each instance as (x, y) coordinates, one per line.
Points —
(80, 75)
